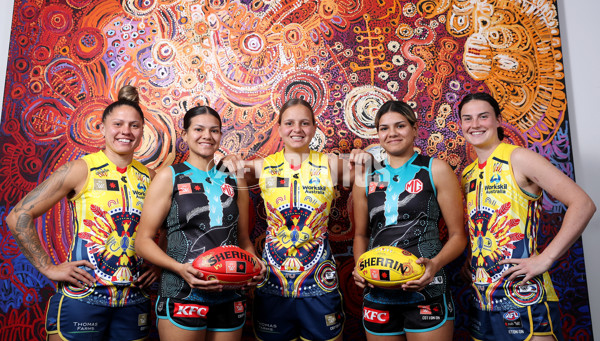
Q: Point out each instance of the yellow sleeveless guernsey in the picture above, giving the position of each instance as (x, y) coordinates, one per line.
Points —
(297, 203)
(503, 223)
(105, 217)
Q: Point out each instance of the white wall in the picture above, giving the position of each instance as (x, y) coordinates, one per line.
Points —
(581, 51)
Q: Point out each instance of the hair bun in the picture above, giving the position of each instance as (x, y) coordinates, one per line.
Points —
(129, 93)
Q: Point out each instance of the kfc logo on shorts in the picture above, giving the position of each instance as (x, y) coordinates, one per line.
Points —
(376, 316)
(190, 310)
(238, 307)
(227, 190)
(414, 186)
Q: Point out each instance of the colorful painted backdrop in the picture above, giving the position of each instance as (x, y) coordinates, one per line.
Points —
(245, 58)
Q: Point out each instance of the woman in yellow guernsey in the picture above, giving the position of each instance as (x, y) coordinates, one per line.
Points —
(299, 297)
(100, 288)
(513, 294)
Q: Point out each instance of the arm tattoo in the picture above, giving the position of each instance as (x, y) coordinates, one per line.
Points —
(56, 180)
(24, 231)
(26, 236)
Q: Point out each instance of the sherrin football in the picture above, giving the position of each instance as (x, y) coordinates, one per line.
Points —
(388, 266)
(230, 264)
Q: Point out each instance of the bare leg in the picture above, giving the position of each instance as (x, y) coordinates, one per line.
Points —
(371, 337)
(168, 331)
(224, 336)
(543, 338)
(443, 333)
(54, 337)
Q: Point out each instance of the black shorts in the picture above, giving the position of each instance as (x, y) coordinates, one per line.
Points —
(190, 315)
(397, 319)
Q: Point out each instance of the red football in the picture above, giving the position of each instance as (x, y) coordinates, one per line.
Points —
(230, 264)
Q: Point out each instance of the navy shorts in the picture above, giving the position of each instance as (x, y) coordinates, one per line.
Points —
(76, 320)
(397, 319)
(191, 315)
(517, 324)
(280, 318)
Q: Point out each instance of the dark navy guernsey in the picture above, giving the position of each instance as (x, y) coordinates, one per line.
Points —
(203, 215)
(404, 212)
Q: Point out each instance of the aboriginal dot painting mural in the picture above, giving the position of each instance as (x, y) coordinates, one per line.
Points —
(245, 58)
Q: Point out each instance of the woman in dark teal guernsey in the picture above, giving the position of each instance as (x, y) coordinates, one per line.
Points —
(202, 207)
(400, 202)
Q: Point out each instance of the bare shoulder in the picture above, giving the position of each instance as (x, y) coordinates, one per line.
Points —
(440, 166)
(442, 172)
(71, 175)
(67, 180)
(534, 173)
(523, 155)
(164, 175)
(527, 162)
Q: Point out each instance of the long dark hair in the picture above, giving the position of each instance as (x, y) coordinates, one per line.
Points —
(399, 107)
(483, 96)
(128, 95)
(197, 111)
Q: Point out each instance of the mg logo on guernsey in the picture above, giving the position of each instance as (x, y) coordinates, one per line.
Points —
(414, 186)
(376, 316)
(228, 190)
(190, 310)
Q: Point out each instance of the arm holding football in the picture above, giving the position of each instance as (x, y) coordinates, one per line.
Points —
(156, 207)
(450, 202)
